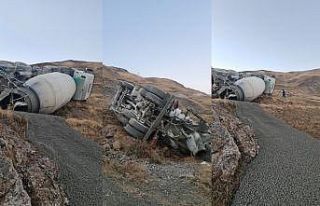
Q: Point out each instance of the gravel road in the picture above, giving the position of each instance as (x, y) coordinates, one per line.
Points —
(79, 161)
(287, 168)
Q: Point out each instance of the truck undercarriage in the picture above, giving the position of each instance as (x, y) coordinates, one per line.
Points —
(147, 112)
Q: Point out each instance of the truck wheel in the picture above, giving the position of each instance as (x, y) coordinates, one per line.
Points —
(155, 91)
(125, 116)
(153, 98)
(127, 85)
(133, 132)
(138, 125)
(128, 114)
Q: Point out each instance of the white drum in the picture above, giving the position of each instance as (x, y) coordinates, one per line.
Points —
(54, 90)
(252, 87)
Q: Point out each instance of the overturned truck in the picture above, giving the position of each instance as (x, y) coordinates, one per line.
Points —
(147, 112)
(241, 86)
(41, 90)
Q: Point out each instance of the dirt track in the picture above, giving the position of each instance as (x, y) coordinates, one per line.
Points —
(79, 161)
(286, 170)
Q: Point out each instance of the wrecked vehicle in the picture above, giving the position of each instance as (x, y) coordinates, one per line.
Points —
(149, 113)
(32, 89)
(241, 86)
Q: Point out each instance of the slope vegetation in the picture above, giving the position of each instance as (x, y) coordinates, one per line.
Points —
(301, 108)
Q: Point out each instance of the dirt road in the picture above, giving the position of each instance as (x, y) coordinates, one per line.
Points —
(286, 170)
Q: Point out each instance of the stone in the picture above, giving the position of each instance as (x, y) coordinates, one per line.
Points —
(116, 145)
(108, 131)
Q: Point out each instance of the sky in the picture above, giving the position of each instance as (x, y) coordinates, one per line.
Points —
(50, 30)
(266, 34)
(160, 38)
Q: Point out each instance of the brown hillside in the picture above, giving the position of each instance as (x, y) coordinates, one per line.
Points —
(306, 82)
(301, 109)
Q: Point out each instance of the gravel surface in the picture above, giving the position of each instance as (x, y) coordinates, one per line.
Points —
(174, 184)
(286, 170)
(79, 160)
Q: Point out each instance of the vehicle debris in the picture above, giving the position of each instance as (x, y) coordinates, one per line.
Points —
(241, 86)
(41, 90)
(150, 113)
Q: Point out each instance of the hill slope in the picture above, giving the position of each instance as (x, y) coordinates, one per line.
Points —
(301, 108)
(305, 82)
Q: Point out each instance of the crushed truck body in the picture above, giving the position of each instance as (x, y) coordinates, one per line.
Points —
(147, 112)
(241, 86)
(41, 90)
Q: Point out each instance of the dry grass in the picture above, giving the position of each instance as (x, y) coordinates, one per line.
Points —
(86, 117)
(302, 117)
(145, 150)
(17, 123)
(88, 128)
(131, 170)
(299, 110)
(204, 178)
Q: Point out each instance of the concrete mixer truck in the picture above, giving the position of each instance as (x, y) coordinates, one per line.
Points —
(41, 90)
(241, 86)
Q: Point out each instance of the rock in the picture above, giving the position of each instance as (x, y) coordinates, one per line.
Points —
(108, 131)
(2, 143)
(12, 191)
(225, 158)
(19, 161)
(205, 163)
(106, 146)
(116, 145)
(234, 144)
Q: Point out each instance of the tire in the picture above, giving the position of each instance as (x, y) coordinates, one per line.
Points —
(133, 132)
(128, 114)
(127, 85)
(153, 98)
(122, 119)
(138, 125)
(155, 91)
(125, 116)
